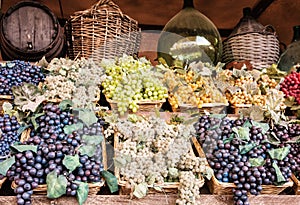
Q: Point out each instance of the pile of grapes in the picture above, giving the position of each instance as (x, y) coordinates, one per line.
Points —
(130, 81)
(16, 72)
(291, 86)
(56, 152)
(190, 87)
(9, 126)
(158, 152)
(247, 153)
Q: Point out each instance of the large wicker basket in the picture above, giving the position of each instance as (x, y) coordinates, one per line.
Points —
(103, 31)
(251, 41)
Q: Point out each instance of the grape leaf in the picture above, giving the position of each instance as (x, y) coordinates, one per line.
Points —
(33, 120)
(82, 192)
(247, 124)
(256, 162)
(279, 153)
(158, 188)
(242, 132)
(140, 190)
(89, 150)
(22, 148)
(22, 128)
(264, 126)
(71, 128)
(56, 185)
(7, 107)
(279, 176)
(218, 116)
(227, 140)
(209, 172)
(121, 161)
(246, 148)
(87, 116)
(111, 181)
(273, 139)
(6, 164)
(71, 162)
(65, 104)
(294, 140)
(92, 139)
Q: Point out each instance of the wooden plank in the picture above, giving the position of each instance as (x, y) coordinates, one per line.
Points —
(156, 199)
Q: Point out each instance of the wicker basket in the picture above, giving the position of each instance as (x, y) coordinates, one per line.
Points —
(251, 41)
(296, 185)
(236, 108)
(221, 188)
(103, 31)
(144, 106)
(213, 108)
(166, 187)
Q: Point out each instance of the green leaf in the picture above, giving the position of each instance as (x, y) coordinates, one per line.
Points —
(279, 153)
(87, 116)
(6, 164)
(242, 132)
(22, 148)
(92, 139)
(264, 126)
(209, 172)
(56, 185)
(22, 129)
(227, 140)
(273, 139)
(82, 192)
(246, 148)
(33, 120)
(158, 188)
(218, 116)
(279, 176)
(89, 150)
(256, 162)
(111, 181)
(121, 161)
(140, 190)
(65, 104)
(294, 140)
(247, 124)
(7, 107)
(71, 128)
(71, 162)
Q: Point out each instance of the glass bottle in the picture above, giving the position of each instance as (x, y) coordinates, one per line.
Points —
(291, 56)
(189, 36)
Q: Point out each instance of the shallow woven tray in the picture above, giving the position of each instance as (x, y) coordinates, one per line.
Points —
(144, 106)
(296, 185)
(221, 188)
(166, 188)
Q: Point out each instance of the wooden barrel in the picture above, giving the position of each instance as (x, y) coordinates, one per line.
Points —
(29, 31)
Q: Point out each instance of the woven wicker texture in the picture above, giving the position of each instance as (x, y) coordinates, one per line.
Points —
(103, 31)
(251, 41)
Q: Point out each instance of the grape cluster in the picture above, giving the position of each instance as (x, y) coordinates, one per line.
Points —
(291, 86)
(53, 144)
(230, 156)
(16, 72)
(9, 133)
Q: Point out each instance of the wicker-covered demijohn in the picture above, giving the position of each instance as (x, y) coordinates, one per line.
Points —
(103, 31)
(251, 41)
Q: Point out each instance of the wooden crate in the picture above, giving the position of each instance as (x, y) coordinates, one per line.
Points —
(296, 185)
(222, 188)
(166, 187)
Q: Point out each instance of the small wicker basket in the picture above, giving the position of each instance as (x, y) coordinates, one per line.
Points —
(296, 185)
(103, 31)
(251, 41)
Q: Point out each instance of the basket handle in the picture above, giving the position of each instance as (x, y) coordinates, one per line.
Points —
(270, 29)
(107, 2)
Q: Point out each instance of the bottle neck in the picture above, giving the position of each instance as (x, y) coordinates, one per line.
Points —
(296, 36)
(188, 3)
